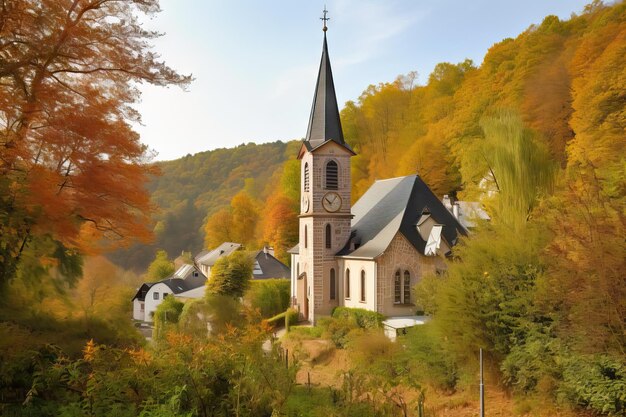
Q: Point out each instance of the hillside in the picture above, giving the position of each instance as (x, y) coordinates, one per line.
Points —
(193, 187)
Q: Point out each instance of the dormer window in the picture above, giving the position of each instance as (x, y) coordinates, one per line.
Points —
(332, 176)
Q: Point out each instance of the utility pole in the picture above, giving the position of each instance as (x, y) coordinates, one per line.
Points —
(482, 386)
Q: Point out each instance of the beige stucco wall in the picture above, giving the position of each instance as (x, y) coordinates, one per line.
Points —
(356, 266)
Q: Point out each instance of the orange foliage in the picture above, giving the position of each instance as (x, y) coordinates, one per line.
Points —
(68, 154)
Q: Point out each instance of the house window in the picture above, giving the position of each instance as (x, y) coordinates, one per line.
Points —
(363, 286)
(165, 295)
(407, 287)
(142, 307)
(328, 237)
(155, 296)
(333, 284)
(332, 175)
(347, 285)
(397, 285)
(306, 177)
(305, 238)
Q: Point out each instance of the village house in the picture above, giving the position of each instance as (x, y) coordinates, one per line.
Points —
(189, 281)
(369, 255)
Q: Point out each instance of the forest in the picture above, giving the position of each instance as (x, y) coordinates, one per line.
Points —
(536, 133)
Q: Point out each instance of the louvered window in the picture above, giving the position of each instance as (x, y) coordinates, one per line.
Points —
(306, 177)
(332, 175)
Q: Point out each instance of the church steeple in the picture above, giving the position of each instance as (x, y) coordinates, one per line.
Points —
(324, 122)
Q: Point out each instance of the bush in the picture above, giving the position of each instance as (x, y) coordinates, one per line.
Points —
(364, 319)
(595, 382)
(269, 296)
(426, 351)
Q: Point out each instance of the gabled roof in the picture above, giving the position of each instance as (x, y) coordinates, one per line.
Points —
(209, 258)
(267, 266)
(392, 206)
(324, 122)
(186, 278)
(143, 290)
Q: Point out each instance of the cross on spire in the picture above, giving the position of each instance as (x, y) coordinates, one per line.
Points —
(325, 19)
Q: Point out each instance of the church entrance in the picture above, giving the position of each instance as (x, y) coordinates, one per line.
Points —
(303, 297)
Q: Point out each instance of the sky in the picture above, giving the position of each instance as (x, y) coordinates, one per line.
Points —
(255, 62)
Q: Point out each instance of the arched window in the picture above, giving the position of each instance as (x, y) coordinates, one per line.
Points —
(407, 287)
(362, 285)
(332, 175)
(347, 284)
(328, 237)
(306, 177)
(305, 238)
(397, 287)
(333, 284)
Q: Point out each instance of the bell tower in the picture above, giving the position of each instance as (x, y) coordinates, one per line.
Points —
(325, 210)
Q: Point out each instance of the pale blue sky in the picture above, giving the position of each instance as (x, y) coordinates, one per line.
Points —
(255, 62)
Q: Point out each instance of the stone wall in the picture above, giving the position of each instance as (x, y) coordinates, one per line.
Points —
(401, 255)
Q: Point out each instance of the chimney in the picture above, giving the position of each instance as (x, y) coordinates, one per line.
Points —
(455, 210)
(268, 250)
(447, 202)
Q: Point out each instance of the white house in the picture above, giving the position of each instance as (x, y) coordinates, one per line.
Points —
(186, 283)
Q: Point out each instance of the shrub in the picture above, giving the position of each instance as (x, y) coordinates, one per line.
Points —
(269, 296)
(595, 382)
(428, 356)
(364, 319)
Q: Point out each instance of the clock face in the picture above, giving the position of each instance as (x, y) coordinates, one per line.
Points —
(331, 202)
(305, 204)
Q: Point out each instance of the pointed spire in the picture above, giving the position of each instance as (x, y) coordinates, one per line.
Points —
(324, 123)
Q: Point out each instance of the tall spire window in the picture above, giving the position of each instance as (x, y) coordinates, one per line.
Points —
(363, 286)
(333, 284)
(332, 175)
(347, 286)
(306, 240)
(328, 237)
(397, 285)
(407, 287)
(306, 177)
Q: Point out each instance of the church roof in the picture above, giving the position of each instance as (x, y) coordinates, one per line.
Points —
(396, 205)
(324, 122)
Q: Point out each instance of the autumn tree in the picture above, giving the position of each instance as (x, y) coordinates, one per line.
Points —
(71, 166)
(160, 268)
(231, 275)
(237, 223)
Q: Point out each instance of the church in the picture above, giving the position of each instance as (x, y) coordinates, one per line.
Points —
(371, 254)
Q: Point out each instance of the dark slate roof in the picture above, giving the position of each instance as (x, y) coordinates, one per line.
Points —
(186, 278)
(324, 122)
(209, 258)
(395, 205)
(143, 290)
(269, 267)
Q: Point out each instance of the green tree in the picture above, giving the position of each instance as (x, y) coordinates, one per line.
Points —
(161, 267)
(231, 275)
